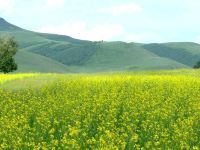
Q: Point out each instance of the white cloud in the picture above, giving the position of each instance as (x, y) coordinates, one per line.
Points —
(197, 39)
(80, 30)
(107, 32)
(52, 4)
(6, 6)
(145, 37)
(122, 9)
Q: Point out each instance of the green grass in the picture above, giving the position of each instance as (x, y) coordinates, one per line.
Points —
(122, 56)
(30, 62)
(185, 53)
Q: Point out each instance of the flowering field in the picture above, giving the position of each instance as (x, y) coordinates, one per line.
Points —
(5, 78)
(116, 111)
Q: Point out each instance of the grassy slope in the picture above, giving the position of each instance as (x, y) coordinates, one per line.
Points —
(185, 52)
(108, 56)
(191, 51)
(30, 62)
(122, 56)
(25, 38)
(66, 53)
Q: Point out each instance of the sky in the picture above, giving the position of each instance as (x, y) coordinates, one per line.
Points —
(144, 21)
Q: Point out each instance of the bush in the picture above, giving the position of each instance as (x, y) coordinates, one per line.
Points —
(8, 48)
(197, 66)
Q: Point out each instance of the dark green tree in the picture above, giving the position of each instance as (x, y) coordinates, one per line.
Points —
(197, 65)
(8, 48)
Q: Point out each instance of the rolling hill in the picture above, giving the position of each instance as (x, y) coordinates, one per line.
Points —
(30, 62)
(42, 52)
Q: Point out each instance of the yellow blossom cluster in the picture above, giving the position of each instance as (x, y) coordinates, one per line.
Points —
(116, 111)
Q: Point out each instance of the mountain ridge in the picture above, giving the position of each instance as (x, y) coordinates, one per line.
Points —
(74, 55)
(4, 25)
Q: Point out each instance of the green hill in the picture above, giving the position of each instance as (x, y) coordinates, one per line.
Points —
(30, 62)
(42, 52)
(5, 26)
(185, 53)
(111, 56)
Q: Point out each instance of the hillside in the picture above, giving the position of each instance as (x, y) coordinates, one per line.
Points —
(5, 26)
(30, 62)
(185, 53)
(42, 52)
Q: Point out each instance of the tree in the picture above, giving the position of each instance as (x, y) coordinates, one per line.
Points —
(8, 48)
(197, 66)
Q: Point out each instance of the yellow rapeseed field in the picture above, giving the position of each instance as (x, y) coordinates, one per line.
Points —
(4, 77)
(116, 111)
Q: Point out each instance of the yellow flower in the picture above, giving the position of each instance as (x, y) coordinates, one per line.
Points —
(73, 132)
(134, 138)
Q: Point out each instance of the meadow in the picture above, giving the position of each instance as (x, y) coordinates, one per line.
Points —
(141, 110)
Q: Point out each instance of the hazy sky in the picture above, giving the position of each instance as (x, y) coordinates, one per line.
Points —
(125, 20)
